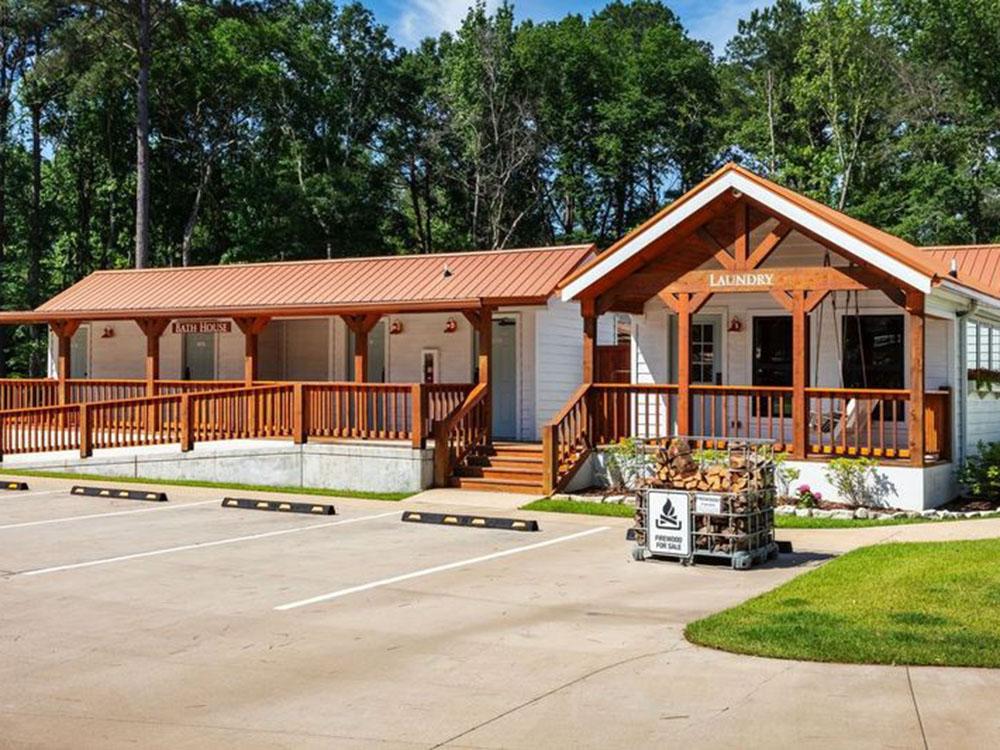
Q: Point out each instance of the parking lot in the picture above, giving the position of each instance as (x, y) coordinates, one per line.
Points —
(186, 624)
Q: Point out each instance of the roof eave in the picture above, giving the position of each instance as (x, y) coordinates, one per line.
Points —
(735, 179)
(296, 311)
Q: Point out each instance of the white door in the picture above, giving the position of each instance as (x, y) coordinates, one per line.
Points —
(79, 353)
(706, 369)
(505, 378)
(199, 356)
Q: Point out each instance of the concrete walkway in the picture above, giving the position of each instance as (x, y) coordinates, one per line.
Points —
(474, 500)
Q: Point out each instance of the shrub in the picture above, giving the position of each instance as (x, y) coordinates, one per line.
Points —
(784, 475)
(626, 463)
(806, 498)
(980, 474)
(857, 482)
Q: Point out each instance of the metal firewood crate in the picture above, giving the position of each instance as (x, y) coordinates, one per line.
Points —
(709, 503)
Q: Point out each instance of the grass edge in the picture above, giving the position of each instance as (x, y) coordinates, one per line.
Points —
(280, 489)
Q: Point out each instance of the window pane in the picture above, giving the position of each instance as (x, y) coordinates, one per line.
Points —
(873, 351)
(772, 359)
(984, 345)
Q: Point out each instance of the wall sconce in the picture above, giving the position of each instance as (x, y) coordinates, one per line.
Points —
(396, 326)
(451, 326)
(735, 325)
(108, 332)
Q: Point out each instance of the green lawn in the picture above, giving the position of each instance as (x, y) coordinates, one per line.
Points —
(797, 522)
(392, 496)
(582, 507)
(915, 603)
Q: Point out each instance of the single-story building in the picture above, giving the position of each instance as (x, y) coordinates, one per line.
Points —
(741, 311)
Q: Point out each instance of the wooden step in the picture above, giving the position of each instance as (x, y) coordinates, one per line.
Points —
(501, 473)
(513, 450)
(491, 485)
(507, 462)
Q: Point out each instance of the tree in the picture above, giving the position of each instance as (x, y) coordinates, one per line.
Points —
(492, 119)
(763, 120)
(132, 24)
(846, 66)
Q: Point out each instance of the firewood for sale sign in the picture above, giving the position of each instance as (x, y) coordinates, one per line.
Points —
(669, 523)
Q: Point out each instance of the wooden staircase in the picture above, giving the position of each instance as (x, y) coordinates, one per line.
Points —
(502, 467)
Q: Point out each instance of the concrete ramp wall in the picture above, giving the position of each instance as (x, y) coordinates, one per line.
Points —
(370, 467)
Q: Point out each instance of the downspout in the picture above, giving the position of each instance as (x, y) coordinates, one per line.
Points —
(963, 380)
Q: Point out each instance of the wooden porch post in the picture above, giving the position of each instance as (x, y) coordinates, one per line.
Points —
(683, 310)
(360, 326)
(252, 328)
(587, 309)
(64, 330)
(153, 329)
(486, 363)
(800, 375)
(915, 308)
(482, 322)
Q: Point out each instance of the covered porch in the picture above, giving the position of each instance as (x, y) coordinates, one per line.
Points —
(759, 314)
(387, 333)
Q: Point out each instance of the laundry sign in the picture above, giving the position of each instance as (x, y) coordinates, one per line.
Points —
(202, 326)
(668, 523)
(724, 280)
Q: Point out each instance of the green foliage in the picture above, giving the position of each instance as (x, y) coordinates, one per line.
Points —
(710, 456)
(984, 379)
(318, 491)
(581, 507)
(856, 480)
(297, 130)
(980, 473)
(811, 522)
(784, 474)
(929, 603)
(627, 463)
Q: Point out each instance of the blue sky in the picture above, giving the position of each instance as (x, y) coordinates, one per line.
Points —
(411, 20)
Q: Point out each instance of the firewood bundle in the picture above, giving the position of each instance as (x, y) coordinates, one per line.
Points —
(679, 467)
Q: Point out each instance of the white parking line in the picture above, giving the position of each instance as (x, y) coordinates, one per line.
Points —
(18, 493)
(436, 569)
(202, 545)
(66, 519)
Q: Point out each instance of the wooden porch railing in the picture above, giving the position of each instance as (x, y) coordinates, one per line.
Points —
(359, 410)
(461, 432)
(842, 422)
(204, 412)
(568, 437)
(28, 393)
(720, 413)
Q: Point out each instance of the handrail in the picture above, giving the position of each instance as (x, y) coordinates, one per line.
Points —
(459, 433)
(566, 440)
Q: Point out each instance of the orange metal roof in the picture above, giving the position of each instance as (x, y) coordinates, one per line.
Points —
(978, 262)
(897, 248)
(391, 283)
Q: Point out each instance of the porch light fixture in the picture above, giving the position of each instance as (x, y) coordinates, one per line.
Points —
(396, 326)
(451, 325)
(108, 332)
(735, 325)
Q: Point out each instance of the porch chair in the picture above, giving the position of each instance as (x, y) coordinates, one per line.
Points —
(835, 423)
